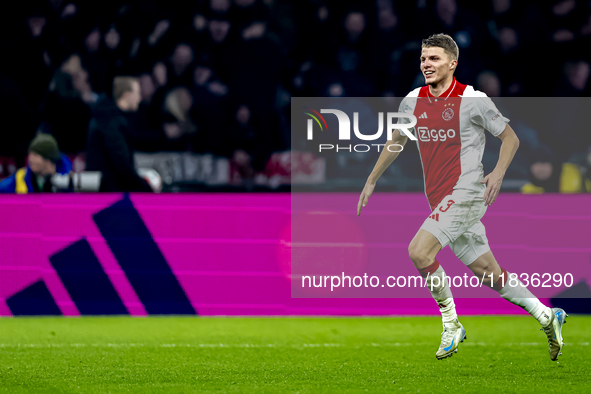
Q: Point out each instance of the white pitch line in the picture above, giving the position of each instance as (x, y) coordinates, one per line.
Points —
(255, 345)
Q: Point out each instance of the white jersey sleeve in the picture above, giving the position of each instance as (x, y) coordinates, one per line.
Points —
(484, 113)
(408, 103)
(407, 106)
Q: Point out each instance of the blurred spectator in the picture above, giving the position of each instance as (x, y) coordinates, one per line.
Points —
(65, 112)
(181, 59)
(160, 74)
(73, 67)
(178, 125)
(95, 59)
(44, 161)
(544, 173)
(210, 96)
(508, 39)
(554, 178)
(576, 78)
(548, 174)
(147, 87)
(246, 143)
(489, 83)
(108, 149)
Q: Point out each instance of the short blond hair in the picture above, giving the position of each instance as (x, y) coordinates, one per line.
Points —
(443, 41)
(123, 84)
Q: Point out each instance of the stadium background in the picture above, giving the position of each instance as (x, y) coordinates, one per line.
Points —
(216, 78)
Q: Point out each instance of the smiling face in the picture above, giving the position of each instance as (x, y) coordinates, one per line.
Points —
(436, 65)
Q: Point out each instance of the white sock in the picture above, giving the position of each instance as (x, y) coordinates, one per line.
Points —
(442, 295)
(520, 295)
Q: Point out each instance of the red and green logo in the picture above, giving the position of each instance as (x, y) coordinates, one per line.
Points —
(315, 115)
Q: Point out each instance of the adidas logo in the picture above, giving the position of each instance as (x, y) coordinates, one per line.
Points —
(423, 116)
(88, 285)
(435, 216)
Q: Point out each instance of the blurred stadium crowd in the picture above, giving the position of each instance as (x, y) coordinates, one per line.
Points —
(217, 76)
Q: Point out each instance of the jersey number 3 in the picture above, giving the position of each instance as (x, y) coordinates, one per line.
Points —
(449, 204)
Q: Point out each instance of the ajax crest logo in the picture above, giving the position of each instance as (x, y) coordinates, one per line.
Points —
(447, 113)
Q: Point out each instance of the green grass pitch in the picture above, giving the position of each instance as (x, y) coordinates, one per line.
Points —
(306, 355)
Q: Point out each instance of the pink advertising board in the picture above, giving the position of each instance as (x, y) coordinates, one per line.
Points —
(230, 254)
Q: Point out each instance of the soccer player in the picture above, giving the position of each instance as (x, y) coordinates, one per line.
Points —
(451, 119)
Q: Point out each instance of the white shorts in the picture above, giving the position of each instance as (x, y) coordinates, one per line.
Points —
(456, 222)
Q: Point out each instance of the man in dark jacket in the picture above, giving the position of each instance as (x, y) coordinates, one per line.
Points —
(108, 149)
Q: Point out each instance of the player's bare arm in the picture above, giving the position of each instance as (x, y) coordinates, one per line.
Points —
(493, 181)
(386, 158)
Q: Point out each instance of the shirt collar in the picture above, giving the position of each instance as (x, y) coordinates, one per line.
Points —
(444, 95)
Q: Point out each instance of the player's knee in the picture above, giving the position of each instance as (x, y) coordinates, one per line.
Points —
(486, 270)
(417, 255)
(488, 273)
